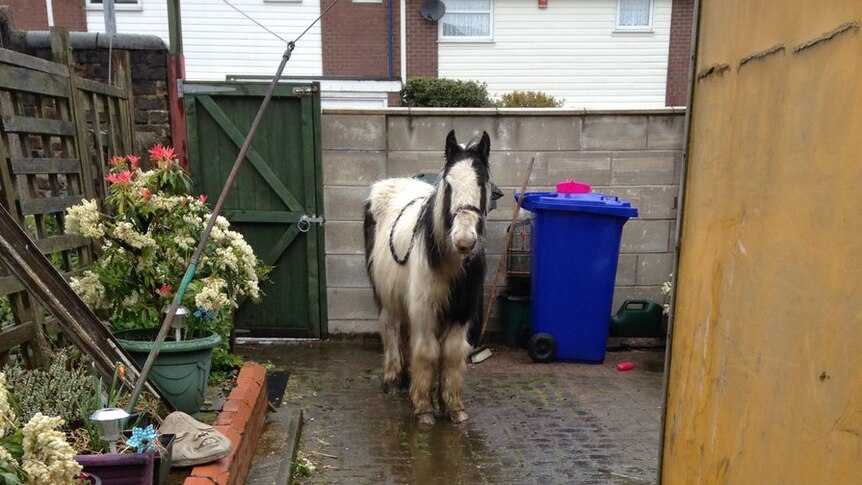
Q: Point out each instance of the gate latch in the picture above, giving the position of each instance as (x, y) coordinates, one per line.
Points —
(306, 221)
(303, 90)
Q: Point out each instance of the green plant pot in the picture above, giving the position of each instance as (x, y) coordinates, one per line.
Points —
(182, 368)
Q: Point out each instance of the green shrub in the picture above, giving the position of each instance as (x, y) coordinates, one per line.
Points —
(427, 92)
(528, 99)
(66, 389)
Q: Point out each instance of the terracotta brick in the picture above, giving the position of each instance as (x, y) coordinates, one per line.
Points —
(198, 481)
(236, 405)
(211, 470)
(253, 371)
(243, 381)
(241, 420)
(225, 417)
(224, 478)
(234, 437)
(245, 394)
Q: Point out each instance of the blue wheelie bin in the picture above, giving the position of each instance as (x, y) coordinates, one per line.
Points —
(575, 248)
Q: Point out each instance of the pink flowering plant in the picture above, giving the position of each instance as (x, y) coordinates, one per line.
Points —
(147, 231)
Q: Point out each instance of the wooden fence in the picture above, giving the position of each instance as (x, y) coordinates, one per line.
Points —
(58, 133)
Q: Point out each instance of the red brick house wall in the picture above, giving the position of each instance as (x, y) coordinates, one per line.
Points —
(356, 40)
(421, 42)
(679, 52)
(33, 15)
(70, 14)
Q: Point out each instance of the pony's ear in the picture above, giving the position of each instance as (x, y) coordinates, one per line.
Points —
(484, 146)
(452, 146)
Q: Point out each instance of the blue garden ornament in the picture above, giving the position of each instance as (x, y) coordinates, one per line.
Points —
(143, 439)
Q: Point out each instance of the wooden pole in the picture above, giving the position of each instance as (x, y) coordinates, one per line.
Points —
(509, 232)
(190, 272)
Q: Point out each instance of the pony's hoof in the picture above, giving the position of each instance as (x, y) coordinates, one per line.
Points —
(425, 420)
(390, 388)
(458, 417)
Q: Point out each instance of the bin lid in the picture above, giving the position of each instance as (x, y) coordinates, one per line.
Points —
(594, 202)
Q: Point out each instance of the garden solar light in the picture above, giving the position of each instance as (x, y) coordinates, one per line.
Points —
(109, 422)
(179, 322)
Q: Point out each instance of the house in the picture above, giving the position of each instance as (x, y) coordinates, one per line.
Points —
(589, 53)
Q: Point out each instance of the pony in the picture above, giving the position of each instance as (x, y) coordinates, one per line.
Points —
(425, 257)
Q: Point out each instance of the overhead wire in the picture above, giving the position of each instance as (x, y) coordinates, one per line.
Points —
(226, 2)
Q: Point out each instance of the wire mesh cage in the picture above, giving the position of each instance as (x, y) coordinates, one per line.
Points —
(518, 260)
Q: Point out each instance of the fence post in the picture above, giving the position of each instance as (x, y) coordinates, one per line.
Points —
(123, 79)
(62, 52)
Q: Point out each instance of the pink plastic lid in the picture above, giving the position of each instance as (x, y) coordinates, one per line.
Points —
(573, 187)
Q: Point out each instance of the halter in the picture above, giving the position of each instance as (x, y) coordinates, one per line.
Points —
(469, 208)
(403, 261)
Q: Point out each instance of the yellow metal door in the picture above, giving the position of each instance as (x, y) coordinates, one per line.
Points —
(765, 381)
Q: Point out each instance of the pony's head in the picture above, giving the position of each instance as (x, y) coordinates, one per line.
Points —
(465, 191)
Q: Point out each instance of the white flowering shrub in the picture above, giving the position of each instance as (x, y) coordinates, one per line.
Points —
(148, 230)
(38, 454)
(48, 458)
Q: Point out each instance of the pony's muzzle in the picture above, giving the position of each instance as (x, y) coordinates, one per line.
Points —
(465, 245)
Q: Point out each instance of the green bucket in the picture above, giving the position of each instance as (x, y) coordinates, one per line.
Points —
(516, 315)
(181, 369)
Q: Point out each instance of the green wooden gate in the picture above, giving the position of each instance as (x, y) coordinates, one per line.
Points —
(277, 200)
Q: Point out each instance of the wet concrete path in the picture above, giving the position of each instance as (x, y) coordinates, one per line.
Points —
(529, 423)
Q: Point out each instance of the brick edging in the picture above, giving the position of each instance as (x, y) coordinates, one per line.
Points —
(241, 420)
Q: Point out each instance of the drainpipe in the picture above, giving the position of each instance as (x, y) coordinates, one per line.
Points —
(389, 24)
(695, 32)
(50, 8)
(403, 42)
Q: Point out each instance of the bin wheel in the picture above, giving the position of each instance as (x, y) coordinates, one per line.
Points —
(542, 348)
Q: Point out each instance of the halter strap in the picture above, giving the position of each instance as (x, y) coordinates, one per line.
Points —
(403, 261)
(469, 208)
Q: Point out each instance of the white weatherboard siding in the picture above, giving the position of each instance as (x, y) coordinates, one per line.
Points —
(568, 50)
(218, 41)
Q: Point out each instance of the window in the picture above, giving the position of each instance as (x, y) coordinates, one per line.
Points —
(467, 20)
(116, 2)
(634, 15)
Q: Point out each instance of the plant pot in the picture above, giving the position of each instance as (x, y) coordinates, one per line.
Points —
(93, 480)
(182, 368)
(162, 462)
(120, 468)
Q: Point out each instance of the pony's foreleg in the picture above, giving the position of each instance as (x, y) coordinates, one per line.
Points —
(390, 333)
(454, 364)
(424, 353)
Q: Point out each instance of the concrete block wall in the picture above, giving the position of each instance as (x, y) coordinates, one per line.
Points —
(635, 155)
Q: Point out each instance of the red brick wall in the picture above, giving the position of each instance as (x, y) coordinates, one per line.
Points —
(679, 53)
(29, 14)
(70, 14)
(421, 43)
(32, 14)
(356, 40)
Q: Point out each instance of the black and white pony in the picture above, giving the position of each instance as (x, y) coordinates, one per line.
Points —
(425, 255)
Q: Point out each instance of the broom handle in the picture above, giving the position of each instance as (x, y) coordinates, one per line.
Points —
(509, 233)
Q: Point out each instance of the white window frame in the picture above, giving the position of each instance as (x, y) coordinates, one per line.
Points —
(635, 28)
(117, 6)
(486, 38)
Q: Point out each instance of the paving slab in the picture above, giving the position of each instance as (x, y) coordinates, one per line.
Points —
(529, 423)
